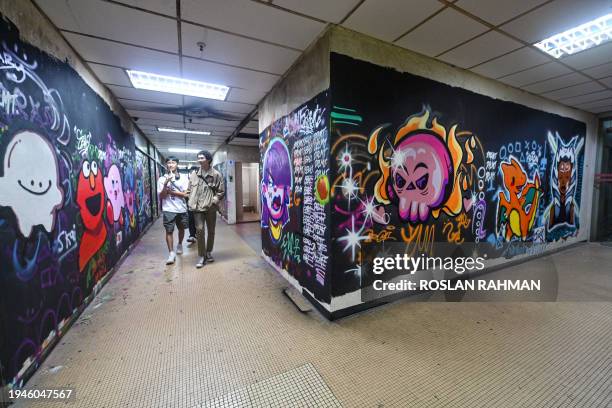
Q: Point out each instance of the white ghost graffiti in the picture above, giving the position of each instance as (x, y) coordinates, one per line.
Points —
(30, 185)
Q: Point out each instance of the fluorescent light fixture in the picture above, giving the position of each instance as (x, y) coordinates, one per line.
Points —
(163, 83)
(182, 150)
(176, 130)
(579, 38)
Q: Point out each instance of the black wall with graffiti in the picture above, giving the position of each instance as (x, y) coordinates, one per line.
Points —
(295, 195)
(74, 195)
(419, 162)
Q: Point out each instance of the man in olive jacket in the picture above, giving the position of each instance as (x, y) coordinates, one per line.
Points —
(206, 191)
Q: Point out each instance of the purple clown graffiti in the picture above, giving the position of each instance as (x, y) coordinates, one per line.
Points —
(276, 187)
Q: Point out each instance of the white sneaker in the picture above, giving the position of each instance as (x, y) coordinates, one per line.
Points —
(171, 258)
(201, 261)
(179, 249)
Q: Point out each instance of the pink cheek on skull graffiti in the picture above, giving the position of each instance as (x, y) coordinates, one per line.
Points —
(420, 184)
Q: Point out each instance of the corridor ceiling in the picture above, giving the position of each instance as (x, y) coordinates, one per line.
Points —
(250, 44)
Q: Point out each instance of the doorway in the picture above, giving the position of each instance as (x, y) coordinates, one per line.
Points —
(248, 205)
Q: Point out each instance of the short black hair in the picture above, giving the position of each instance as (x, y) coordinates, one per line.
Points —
(206, 154)
(173, 158)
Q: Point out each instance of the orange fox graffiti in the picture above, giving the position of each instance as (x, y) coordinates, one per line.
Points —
(516, 216)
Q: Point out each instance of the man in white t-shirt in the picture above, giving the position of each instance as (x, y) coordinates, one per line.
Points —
(173, 190)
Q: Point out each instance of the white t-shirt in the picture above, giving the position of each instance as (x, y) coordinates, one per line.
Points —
(172, 203)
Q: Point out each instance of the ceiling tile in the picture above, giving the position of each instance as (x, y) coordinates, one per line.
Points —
(555, 17)
(596, 104)
(237, 109)
(127, 56)
(235, 50)
(496, 12)
(167, 7)
(388, 19)
(600, 71)
(110, 75)
(535, 74)
(480, 49)
(332, 11)
(113, 21)
(442, 32)
(147, 106)
(574, 90)
(155, 115)
(217, 122)
(552, 84)
(245, 96)
(220, 74)
(602, 109)
(515, 61)
(254, 20)
(595, 96)
(144, 95)
(590, 57)
(607, 81)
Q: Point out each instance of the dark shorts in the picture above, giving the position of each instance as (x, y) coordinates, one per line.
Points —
(180, 219)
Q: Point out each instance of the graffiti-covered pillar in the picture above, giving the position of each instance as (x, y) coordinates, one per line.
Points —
(382, 157)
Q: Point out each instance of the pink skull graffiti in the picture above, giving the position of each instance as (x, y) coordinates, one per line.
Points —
(421, 171)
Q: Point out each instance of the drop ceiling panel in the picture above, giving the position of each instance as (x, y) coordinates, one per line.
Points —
(496, 12)
(600, 71)
(239, 109)
(443, 31)
(555, 17)
(552, 84)
(216, 122)
(245, 96)
(591, 57)
(603, 109)
(234, 77)
(254, 20)
(388, 19)
(607, 81)
(333, 11)
(483, 48)
(596, 104)
(107, 52)
(110, 75)
(244, 142)
(144, 95)
(515, 61)
(144, 106)
(113, 21)
(155, 115)
(595, 96)
(574, 90)
(235, 50)
(535, 74)
(167, 7)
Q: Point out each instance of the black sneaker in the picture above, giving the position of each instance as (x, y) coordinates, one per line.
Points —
(209, 257)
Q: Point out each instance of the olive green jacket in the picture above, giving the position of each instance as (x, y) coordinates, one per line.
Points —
(206, 189)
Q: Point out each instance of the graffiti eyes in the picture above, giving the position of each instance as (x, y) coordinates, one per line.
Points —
(94, 168)
(399, 180)
(86, 169)
(421, 183)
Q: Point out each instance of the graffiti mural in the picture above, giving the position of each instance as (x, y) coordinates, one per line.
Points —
(295, 195)
(563, 210)
(418, 162)
(67, 191)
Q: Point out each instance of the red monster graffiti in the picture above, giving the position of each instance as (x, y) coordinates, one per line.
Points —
(90, 199)
(516, 216)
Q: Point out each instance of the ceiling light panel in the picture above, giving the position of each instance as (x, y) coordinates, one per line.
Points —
(163, 83)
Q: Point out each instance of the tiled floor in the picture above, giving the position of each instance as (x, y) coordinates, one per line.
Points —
(178, 336)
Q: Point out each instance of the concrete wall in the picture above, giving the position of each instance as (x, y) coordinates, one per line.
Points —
(308, 77)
